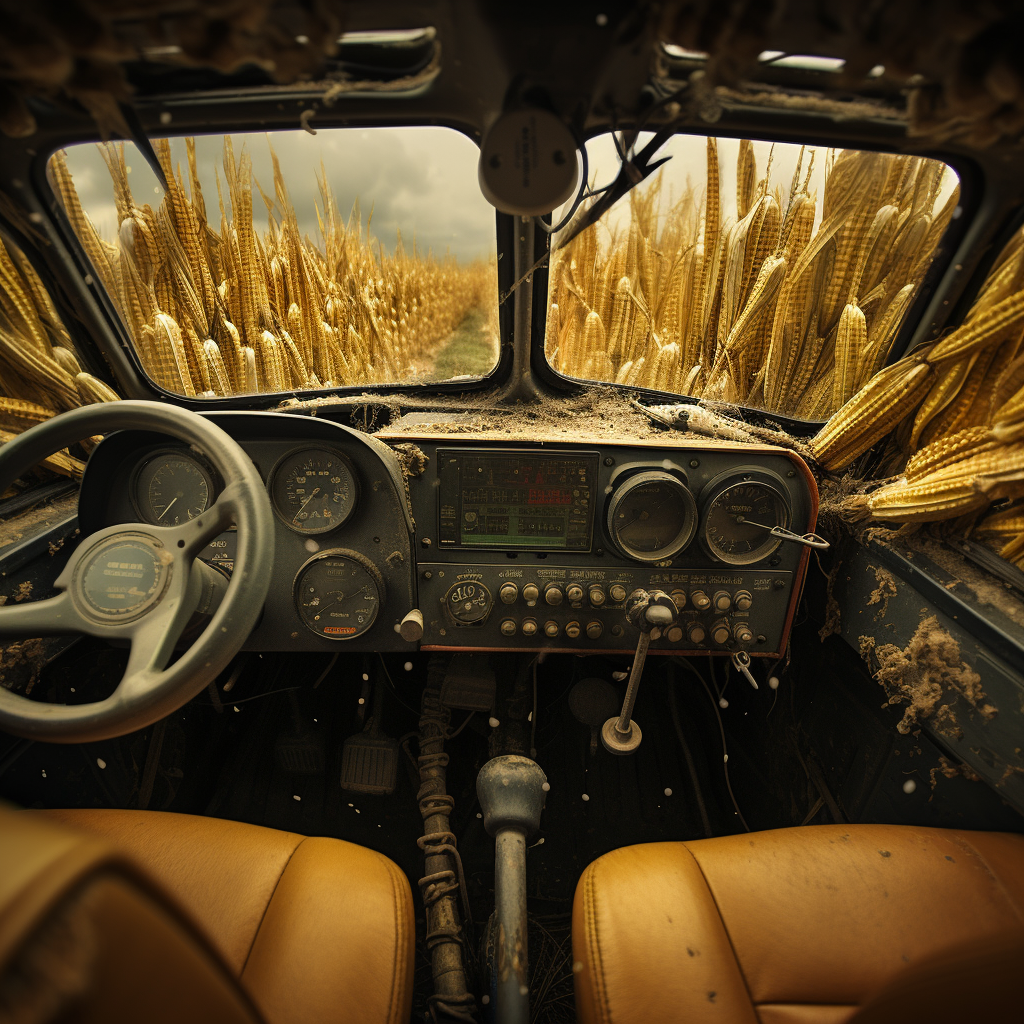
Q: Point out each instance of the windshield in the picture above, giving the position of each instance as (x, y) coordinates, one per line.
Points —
(770, 276)
(292, 261)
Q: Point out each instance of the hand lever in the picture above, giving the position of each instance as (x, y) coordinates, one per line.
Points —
(651, 613)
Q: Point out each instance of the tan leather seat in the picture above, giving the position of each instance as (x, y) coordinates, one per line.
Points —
(792, 926)
(313, 929)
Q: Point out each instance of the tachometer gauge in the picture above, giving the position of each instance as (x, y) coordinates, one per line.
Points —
(170, 488)
(652, 516)
(338, 594)
(313, 490)
(738, 517)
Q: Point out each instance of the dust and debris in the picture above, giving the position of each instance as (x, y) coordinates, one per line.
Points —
(833, 613)
(951, 769)
(412, 458)
(928, 671)
(38, 519)
(886, 588)
(24, 592)
(22, 663)
(395, 558)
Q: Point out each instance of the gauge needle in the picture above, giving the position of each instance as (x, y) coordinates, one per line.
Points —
(166, 510)
(316, 491)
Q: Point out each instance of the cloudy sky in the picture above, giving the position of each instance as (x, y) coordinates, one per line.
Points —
(421, 181)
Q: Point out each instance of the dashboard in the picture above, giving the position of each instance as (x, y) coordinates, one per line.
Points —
(476, 543)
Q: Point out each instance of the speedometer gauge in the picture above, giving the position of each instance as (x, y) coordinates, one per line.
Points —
(739, 517)
(338, 594)
(170, 488)
(314, 490)
(652, 516)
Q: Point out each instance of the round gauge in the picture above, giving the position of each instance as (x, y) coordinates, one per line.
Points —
(170, 488)
(314, 490)
(468, 604)
(652, 516)
(338, 594)
(738, 517)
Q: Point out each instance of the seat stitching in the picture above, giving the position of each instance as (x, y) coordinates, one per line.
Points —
(961, 840)
(725, 927)
(594, 944)
(263, 916)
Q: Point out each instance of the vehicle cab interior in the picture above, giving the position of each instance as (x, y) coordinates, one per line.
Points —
(511, 513)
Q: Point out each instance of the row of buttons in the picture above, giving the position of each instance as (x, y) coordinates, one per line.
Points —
(722, 632)
(554, 595)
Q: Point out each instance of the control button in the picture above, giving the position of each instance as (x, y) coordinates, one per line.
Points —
(467, 604)
(722, 601)
(508, 593)
(551, 628)
(678, 599)
(617, 592)
(695, 633)
(572, 629)
(508, 627)
(574, 592)
(721, 633)
(530, 593)
(597, 596)
(529, 627)
(675, 634)
(553, 594)
(595, 629)
(700, 600)
(743, 633)
(742, 601)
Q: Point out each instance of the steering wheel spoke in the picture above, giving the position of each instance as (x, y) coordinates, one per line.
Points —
(49, 617)
(190, 538)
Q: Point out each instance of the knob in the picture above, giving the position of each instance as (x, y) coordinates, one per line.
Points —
(574, 592)
(617, 592)
(678, 599)
(530, 593)
(721, 633)
(597, 596)
(722, 601)
(595, 630)
(742, 600)
(553, 594)
(529, 627)
(508, 593)
(700, 600)
(675, 634)
(551, 628)
(572, 629)
(508, 627)
(695, 633)
(411, 627)
(468, 604)
(742, 633)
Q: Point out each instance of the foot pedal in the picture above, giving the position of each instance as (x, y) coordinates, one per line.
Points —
(302, 751)
(369, 760)
(469, 683)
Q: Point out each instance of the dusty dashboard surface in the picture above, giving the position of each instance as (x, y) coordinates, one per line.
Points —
(538, 544)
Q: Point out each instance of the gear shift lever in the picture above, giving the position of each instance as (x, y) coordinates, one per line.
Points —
(652, 613)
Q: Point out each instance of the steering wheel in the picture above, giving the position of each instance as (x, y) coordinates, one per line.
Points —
(137, 582)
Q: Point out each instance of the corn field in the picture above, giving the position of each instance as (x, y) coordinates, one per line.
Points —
(791, 308)
(218, 307)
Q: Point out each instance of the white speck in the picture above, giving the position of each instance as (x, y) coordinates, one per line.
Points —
(586, 797)
(101, 762)
(478, 814)
(546, 787)
(725, 759)
(295, 796)
(314, 719)
(577, 967)
(156, 190)
(540, 842)
(602, 20)
(88, 279)
(72, 689)
(237, 708)
(351, 805)
(165, 117)
(302, 40)
(908, 787)
(722, 702)
(356, 809)
(44, 773)
(773, 682)
(493, 722)
(36, 217)
(485, 999)
(312, 547)
(407, 666)
(366, 678)
(524, 990)
(958, 213)
(362, 700)
(619, 676)
(668, 792)
(529, 717)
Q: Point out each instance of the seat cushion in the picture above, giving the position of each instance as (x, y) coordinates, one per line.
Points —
(791, 926)
(318, 930)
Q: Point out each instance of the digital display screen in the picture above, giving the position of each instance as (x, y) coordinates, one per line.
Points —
(517, 500)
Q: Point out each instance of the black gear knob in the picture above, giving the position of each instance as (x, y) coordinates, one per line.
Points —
(511, 790)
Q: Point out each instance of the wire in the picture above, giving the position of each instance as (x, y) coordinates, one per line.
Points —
(391, 686)
(690, 766)
(452, 735)
(323, 675)
(550, 229)
(259, 696)
(721, 731)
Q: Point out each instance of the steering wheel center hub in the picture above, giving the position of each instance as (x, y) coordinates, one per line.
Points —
(122, 578)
